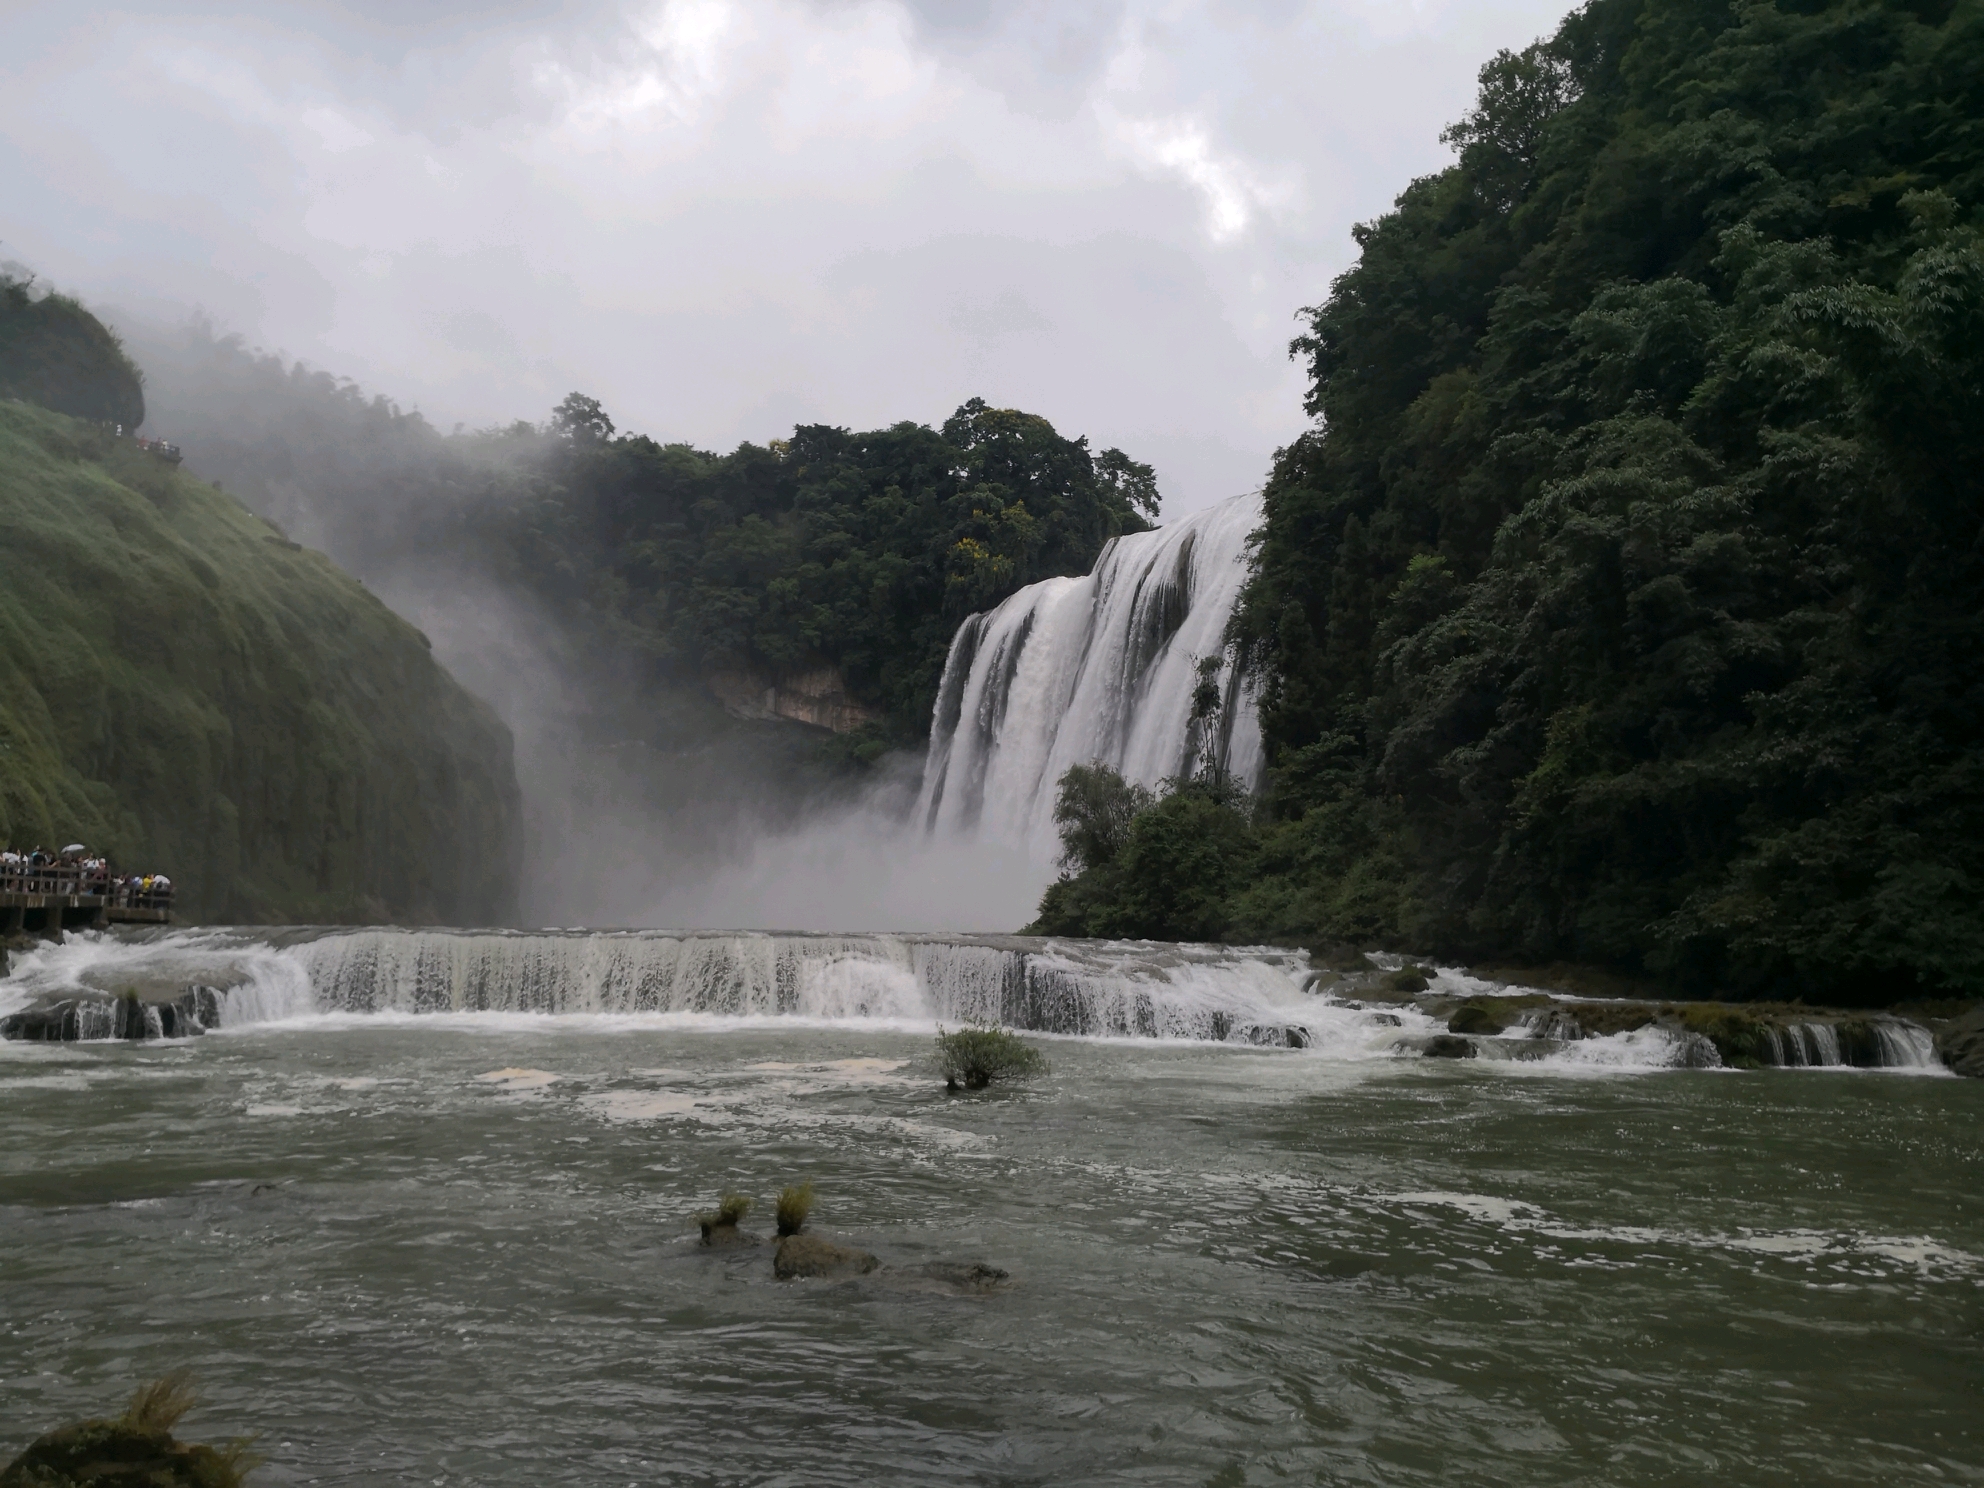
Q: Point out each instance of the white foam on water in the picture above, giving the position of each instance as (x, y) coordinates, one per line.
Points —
(519, 1079)
(1642, 1049)
(638, 1105)
(74, 1080)
(612, 982)
(1917, 1252)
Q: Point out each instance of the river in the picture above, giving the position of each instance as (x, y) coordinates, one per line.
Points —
(458, 1248)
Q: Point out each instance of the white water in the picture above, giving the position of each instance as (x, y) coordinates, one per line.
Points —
(1103, 667)
(1107, 989)
(1083, 988)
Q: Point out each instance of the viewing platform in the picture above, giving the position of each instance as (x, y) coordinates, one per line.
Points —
(49, 898)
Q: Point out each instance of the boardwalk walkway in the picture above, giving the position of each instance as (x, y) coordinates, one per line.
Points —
(51, 897)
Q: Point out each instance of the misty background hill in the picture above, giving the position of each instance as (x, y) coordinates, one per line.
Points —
(719, 669)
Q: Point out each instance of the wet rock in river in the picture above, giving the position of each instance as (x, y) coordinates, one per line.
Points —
(49, 1024)
(963, 1277)
(1961, 1044)
(110, 1454)
(1449, 1046)
(1475, 1017)
(809, 1255)
(136, 1450)
(944, 1279)
(130, 1016)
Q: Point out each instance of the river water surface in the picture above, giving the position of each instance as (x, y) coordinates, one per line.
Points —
(459, 1249)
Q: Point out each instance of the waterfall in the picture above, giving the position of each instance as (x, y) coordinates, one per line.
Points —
(1856, 1043)
(1069, 671)
(1113, 989)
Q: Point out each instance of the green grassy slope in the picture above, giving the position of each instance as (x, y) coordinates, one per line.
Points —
(183, 687)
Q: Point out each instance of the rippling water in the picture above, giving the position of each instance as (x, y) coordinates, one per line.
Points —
(458, 1249)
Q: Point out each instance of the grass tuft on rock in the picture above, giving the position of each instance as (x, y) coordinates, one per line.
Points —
(977, 1057)
(137, 1448)
(159, 1405)
(728, 1214)
(794, 1204)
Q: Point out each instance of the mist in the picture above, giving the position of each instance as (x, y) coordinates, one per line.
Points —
(645, 803)
(722, 831)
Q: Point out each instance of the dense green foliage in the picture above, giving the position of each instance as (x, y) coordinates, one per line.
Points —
(55, 353)
(1138, 865)
(1627, 602)
(190, 692)
(858, 551)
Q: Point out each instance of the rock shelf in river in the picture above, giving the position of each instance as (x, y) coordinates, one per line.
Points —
(98, 1015)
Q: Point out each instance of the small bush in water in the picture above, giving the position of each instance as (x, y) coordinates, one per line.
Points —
(730, 1209)
(975, 1057)
(137, 1447)
(794, 1204)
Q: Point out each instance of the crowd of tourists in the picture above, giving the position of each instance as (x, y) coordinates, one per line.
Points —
(76, 870)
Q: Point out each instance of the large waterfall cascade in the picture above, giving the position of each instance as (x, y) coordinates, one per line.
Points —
(1099, 668)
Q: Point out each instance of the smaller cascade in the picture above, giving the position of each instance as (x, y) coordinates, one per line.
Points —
(1099, 668)
(1090, 988)
(1856, 1043)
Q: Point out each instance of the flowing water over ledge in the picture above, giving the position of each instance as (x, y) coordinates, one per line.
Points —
(1256, 995)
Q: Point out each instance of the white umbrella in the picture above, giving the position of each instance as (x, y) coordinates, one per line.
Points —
(74, 849)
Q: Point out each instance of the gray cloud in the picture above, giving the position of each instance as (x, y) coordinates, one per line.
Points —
(724, 218)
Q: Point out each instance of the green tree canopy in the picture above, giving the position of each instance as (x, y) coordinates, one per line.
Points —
(861, 551)
(1626, 601)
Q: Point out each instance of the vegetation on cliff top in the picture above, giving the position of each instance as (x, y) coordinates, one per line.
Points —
(1626, 603)
(56, 354)
(863, 551)
(860, 551)
(185, 689)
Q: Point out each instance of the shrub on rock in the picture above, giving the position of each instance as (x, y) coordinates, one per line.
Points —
(975, 1057)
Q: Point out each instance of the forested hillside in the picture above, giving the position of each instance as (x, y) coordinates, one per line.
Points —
(1624, 603)
(183, 688)
(863, 551)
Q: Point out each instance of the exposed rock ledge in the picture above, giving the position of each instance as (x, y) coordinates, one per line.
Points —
(93, 1015)
(1961, 1044)
(818, 697)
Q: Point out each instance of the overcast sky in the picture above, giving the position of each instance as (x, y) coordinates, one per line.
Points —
(722, 219)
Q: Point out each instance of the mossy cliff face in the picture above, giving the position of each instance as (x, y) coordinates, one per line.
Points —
(184, 688)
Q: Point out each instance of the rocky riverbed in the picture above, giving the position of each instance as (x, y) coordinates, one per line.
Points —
(1487, 1018)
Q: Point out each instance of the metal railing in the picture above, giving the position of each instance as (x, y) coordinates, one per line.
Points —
(72, 878)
